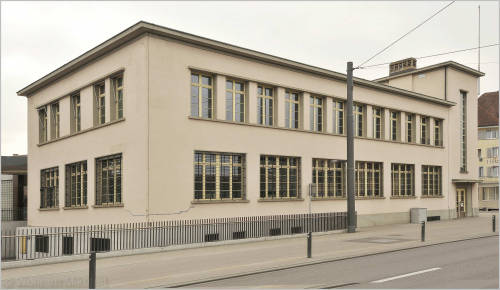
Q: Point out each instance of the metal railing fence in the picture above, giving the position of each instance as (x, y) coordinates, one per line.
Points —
(43, 242)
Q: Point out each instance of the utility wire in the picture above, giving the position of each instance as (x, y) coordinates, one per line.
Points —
(394, 42)
(432, 55)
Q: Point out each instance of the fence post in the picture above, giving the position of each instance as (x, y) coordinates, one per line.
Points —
(493, 221)
(423, 231)
(92, 268)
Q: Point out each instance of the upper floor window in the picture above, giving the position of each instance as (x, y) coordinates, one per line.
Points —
(316, 113)
(42, 125)
(492, 152)
(424, 130)
(292, 109)
(410, 128)
(265, 105)
(395, 126)
(378, 123)
(490, 193)
(109, 180)
(493, 171)
(201, 96)
(431, 180)
(218, 176)
(49, 188)
(463, 131)
(100, 104)
(481, 171)
(117, 85)
(328, 178)
(359, 120)
(368, 179)
(279, 177)
(488, 133)
(338, 117)
(54, 121)
(403, 179)
(438, 132)
(235, 101)
(76, 184)
(76, 123)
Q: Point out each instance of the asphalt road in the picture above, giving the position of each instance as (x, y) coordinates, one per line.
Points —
(464, 264)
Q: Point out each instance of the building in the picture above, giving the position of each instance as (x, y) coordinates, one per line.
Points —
(158, 124)
(487, 113)
(14, 191)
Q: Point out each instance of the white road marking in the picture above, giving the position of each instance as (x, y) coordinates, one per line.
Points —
(405, 275)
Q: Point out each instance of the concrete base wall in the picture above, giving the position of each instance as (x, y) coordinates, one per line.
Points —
(371, 220)
(10, 226)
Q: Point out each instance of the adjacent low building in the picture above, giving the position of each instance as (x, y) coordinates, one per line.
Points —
(488, 150)
(158, 124)
(14, 192)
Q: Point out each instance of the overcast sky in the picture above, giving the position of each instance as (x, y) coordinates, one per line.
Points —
(38, 37)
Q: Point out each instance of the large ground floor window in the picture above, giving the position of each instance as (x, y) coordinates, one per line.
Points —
(368, 179)
(402, 176)
(431, 180)
(279, 177)
(218, 176)
(109, 180)
(76, 184)
(49, 188)
(489, 193)
(328, 178)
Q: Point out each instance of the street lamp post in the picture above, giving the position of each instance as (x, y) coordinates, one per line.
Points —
(351, 209)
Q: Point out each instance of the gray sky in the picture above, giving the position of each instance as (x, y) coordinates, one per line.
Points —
(38, 37)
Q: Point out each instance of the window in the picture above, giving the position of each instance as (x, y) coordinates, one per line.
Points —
(265, 105)
(202, 104)
(117, 85)
(76, 184)
(316, 113)
(218, 176)
(493, 171)
(463, 132)
(49, 188)
(41, 243)
(338, 117)
(328, 178)
(479, 155)
(481, 171)
(76, 124)
(358, 112)
(292, 109)
(235, 101)
(410, 128)
(489, 193)
(488, 134)
(378, 123)
(431, 180)
(492, 152)
(395, 126)
(42, 125)
(403, 179)
(67, 245)
(100, 105)
(424, 130)
(54, 121)
(368, 179)
(279, 177)
(438, 139)
(109, 180)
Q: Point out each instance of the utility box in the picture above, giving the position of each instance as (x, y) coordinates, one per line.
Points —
(418, 215)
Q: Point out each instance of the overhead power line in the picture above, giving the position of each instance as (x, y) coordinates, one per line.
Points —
(394, 42)
(432, 55)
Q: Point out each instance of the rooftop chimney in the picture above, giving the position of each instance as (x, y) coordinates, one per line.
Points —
(400, 66)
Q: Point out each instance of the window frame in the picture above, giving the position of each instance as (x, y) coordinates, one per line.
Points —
(329, 189)
(234, 92)
(48, 184)
(438, 132)
(99, 194)
(117, 101)
(400, 180)
(200, 86)
(359, 119)
(338, 117)
(394, 119)
(432, 176)
(55, 121)
(378, 115)
(82, 174)
(42, 125)
(290, 104)
(264, 195)
(316, 115)
(100, 103)
(263, 117)
(410, 128)
(463, 131)
(364, 178)
(424, 130)
(76, 113)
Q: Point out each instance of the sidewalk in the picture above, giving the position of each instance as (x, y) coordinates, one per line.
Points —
(173, 268)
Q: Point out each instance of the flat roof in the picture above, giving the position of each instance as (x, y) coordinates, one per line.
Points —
(144, 27)
(449, 63)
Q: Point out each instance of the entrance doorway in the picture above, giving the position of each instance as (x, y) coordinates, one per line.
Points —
(461, 203)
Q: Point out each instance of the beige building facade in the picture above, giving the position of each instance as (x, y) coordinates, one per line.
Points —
(158, 124)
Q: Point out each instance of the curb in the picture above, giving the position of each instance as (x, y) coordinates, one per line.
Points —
(303, 264)
(122, 253)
